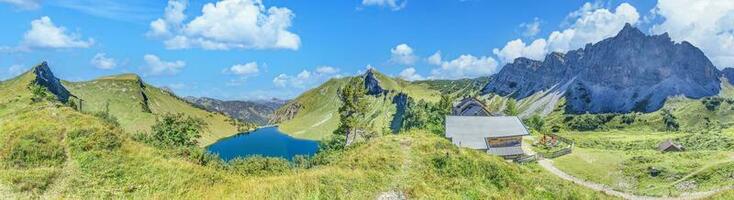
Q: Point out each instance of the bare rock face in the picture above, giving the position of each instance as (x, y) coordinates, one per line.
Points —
(288, 112)
(46, 78)
(621, 74)
(372, 84)
(258, 112)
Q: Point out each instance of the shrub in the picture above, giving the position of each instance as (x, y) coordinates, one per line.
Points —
(258, 165)
(707, 140)
(670, 121)
(177, 130)
(535, 122)
(588, 122)
(712, 103)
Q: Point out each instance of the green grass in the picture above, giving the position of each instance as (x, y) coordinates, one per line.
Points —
(621, 159)
(125, 96)
(319, 116)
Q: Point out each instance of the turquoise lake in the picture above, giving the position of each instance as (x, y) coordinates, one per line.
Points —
(267, 142)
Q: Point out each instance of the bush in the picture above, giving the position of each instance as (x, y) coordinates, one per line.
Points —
(707, 140)
(669, 121)
(712, 103)
(177, 130)
(536, 123)
(588, 122)
(258, 165)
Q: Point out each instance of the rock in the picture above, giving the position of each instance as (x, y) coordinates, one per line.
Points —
(46, 78)
(288, 112)
(401, 104)
(371, 84)
(628, 72)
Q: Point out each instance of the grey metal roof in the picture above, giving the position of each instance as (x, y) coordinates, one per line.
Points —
(506, 151)
(464, 128)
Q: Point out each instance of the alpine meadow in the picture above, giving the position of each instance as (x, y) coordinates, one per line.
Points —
(367, 99)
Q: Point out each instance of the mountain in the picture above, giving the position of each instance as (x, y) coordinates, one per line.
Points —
(137, 104)
(258, 112)
(628, 72)
(314, 114)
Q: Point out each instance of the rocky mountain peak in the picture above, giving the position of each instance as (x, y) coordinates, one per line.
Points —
(46, 78)
(371, 83)
(628, 72)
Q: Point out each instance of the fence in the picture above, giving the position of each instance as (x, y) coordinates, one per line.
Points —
(560, 152)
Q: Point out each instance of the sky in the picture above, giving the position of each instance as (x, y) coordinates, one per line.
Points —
(261, 49)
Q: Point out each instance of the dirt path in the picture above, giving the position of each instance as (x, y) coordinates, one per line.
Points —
(396, 193)
(548, 165)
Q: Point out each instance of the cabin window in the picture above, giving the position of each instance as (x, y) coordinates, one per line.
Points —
(504, 142)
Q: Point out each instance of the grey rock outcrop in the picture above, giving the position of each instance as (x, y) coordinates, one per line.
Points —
(371, 84)
(46, 78)
(628, 72)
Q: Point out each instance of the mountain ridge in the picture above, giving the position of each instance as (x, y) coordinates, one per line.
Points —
(639, 73)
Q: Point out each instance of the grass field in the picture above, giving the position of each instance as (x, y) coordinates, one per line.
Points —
(622, 159)
(128, 96)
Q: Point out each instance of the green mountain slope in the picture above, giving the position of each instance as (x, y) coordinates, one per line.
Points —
(314, 114)
(136, 105)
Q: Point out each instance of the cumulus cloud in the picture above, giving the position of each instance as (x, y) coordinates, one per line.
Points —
(247, 69)
(101, 61)
(227, 24)
(435, 59)
(531, 29)
(403, 54)
(465, 66)
(44, 34)
(327, 70)
(392, 4)
(590, 24)
(156, 66)
(23, 4)
(708, 25)
(517, 48)
(410, 74)
(306, 78)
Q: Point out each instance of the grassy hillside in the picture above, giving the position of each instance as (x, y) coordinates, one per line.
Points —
(319, 116)
(136, 105)
(49, 150)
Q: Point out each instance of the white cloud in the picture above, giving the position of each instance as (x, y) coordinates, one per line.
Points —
(466, 66)
(101, 61)
(306, 78)
(392, 4)
(327, 70)
(517, 48)
(172, 19)
(403, 54)
(245, 69)
(227, 24)
(44, 34)
(156, 66)
(435, 59)
(15, 70)
(708, 25)
(590, 24)
(410, 74)
(531, 29)
(23, 4)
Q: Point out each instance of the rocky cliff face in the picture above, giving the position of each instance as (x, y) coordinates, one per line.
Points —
(628, 72)
(372, 84)
(46, 78)
(258, 112)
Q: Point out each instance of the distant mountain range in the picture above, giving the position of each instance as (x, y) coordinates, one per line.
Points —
(258, 112)
(628, 72)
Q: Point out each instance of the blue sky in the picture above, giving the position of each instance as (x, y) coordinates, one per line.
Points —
(295, 45)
